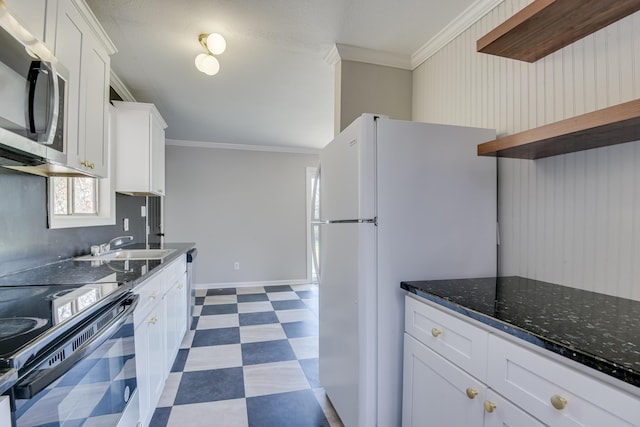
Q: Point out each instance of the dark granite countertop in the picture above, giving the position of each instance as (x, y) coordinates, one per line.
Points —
(69, 271)
(596, 330)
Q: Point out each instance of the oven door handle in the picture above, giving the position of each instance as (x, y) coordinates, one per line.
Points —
(39, 379)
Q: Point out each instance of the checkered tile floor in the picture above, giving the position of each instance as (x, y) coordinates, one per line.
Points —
(251, 359)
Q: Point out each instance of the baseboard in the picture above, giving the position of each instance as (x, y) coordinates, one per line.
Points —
(250, 284)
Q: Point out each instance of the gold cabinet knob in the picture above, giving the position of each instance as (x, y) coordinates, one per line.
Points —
(558, 402)
(471, 393)
(489, 406)
(153, 320)
(92, 165)
(436, 332)
(180, 286)
(153, 296)
(84, 163)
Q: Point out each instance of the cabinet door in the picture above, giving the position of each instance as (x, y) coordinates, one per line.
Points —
(155, 324)
(69, 41)
(143, 370)
(157, 158)
(95, 85)
(87, 97)
(436, 392)
(5, 411)
(506, 414)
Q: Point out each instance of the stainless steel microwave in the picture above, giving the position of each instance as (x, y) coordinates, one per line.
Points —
(33, 99)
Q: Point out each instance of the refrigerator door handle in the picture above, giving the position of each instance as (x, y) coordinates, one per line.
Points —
(314, 223)
(373, 221)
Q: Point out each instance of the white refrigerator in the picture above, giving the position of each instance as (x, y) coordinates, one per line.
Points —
(398, 201)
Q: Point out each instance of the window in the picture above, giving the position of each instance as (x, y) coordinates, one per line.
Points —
(81, 202)
(75, 196)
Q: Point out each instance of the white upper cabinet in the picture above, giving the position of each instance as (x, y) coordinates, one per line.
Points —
(83, 49)
(37, 16)
(139, 148)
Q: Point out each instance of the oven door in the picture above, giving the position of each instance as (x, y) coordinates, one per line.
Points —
(94, 385)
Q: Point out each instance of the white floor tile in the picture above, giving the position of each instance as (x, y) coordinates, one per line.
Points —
(216, 357)
(201, 292)
(327, 408)
(281, 296)
(250, 290)
(271, 378)
(254, 307)
(187, 340)
(288, 316)
(305, 347)
(197, 310)
(306, 287)
(220, 299)
(170, 390)
(256, 333)
(218, 321)
(223, 413)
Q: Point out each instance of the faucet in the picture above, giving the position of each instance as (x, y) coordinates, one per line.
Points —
(116, 241)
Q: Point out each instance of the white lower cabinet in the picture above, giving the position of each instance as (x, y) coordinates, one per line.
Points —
(519, 387)
(5, 411)
(435, 390)
(157, 333)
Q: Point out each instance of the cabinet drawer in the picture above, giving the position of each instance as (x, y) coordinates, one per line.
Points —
(532, 380)
(460, 342)
(150, 295)
(175, 271)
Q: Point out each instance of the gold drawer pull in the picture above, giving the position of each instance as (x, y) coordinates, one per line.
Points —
(489, 406)
(153, 320)
(153, 296)
(180, 286)
(558, 402)
(472, 393)
(435, 332)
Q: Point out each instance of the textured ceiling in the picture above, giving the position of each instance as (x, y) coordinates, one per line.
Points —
(274, 86)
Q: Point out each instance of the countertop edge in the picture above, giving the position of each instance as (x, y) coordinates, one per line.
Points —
(603, 366)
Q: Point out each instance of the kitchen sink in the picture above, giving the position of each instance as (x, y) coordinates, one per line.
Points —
(128, 254)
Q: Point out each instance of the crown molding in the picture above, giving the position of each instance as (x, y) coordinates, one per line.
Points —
(467, 18)
(245, 147)
(120, 88)
(95, 26)
(347, 52)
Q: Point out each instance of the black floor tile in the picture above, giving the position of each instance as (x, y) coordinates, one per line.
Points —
(224, 291)
(266, 352)
(260, 318)
(209, 337)
(311, 371)
(199, 300)
(293, 409)
(253, 298)
(209, 310)
(210, 386)
(300, 329)
(180, 360)
(306, 294)
(292, 304)
(280, 288)
(160, 417)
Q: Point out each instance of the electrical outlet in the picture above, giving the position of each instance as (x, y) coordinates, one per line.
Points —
(125, 224)
(143, 211)
(236, 265)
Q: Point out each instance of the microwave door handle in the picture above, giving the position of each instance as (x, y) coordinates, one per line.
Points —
(35, 70)
(38, 380)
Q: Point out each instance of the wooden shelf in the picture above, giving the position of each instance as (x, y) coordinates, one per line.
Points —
(545, 26)
(609, 126)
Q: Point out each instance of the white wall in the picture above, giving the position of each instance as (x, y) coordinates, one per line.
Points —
(237, 205)
(572, 219)
(370, 88)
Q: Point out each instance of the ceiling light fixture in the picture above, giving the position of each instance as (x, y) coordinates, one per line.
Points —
(214, 44)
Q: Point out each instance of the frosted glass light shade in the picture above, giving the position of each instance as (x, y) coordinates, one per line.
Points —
(207, 64)
(216, 43)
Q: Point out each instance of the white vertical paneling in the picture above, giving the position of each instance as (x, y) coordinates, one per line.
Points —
(572, 219)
